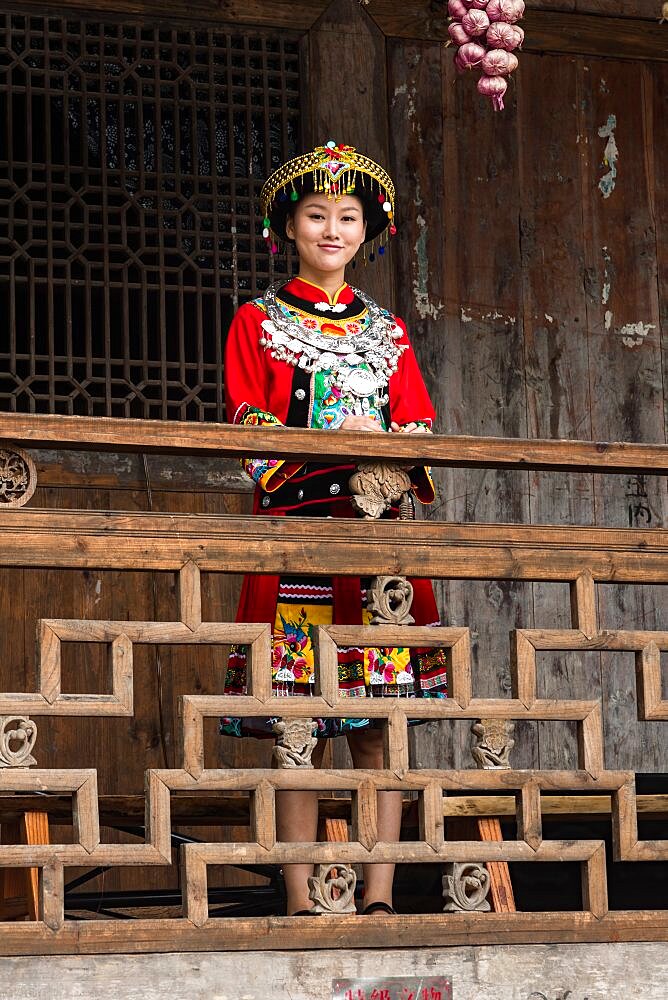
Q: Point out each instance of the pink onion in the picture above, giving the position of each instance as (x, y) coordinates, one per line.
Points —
(457, 33)
(475, 23)
(505, 10)
(498, 62)
(456, 9)
(494, 87)
(469, 56)
(501, 35)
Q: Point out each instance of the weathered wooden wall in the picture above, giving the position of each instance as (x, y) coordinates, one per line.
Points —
(534, 284)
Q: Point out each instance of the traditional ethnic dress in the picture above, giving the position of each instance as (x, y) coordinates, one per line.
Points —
(301, 358)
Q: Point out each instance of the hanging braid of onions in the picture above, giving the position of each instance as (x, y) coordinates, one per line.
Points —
(486, 33)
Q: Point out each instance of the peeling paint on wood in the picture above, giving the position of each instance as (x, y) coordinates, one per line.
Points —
(634, 334)
(610, 156)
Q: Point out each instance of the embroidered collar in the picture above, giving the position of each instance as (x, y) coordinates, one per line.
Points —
(308, 290)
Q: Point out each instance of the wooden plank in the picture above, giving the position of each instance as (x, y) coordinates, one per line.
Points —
(634, 37)
(200, 808)
(278, 933)
(296, 16)
(195, 890)
(617, 111)
(364, 814)
(263, 815)
(529, 822)
(583, 604)
(555, 361)
(346, 56)
(225, 440)
(483, 391)
(395, 742)
(430, 810)
(657, 145)
(190, 595)
(595, 884)
(377, 708)
(233, 544)
(107, 471)
(501, 888)
(556, 806)
(52, 892)
(648, 684)
(246, 779)
(590, 742)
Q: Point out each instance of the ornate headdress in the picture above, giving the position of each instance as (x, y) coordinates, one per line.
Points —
(335, 170)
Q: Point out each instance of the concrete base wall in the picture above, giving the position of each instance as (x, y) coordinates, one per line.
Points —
(509, 972)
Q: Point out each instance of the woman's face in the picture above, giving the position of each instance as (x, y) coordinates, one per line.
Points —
(327, 233)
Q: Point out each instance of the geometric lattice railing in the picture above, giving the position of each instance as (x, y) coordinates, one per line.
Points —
(189, 546)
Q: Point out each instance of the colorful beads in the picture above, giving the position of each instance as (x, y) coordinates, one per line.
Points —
(294, 196)
(381, 250)
(387, 207)
(266, 222)
(393, 230)
(265, 233)
(381, 198)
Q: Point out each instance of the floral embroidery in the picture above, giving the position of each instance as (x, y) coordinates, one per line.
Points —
(257, 468)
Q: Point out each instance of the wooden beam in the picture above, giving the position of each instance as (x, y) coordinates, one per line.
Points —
(290, 15)
(225, 440)
(216, 809)
(567, 33)
(79, 539)
(278, 933)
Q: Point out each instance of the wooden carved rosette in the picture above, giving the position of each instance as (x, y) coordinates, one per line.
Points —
(18, 477)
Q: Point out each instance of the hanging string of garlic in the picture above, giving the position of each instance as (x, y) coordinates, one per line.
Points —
(486, 34)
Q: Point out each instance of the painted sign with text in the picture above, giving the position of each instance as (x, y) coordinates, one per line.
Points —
(395, 988)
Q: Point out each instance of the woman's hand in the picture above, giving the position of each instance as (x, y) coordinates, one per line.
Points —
(353, 423)
(411, 428)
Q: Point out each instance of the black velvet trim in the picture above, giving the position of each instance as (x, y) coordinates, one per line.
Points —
(298, 409)
(353, 309)
(312, 486)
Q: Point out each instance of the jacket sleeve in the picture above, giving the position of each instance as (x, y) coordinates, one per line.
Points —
(410, 403)
(250, 385)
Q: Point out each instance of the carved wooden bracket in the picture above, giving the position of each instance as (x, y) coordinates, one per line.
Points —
(375, 486)
(295, 743)
(18, 477)
(332, 889)
(17, 739)
(493, 743)
(389, 600)
(466, 887)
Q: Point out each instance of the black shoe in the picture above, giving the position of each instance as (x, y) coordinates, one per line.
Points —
(378, 907)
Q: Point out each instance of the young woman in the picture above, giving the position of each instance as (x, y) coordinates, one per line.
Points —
(317, 352)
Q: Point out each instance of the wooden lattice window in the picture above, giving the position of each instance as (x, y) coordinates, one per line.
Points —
(131, 157)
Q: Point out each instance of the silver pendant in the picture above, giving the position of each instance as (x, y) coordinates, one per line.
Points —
(360, 382)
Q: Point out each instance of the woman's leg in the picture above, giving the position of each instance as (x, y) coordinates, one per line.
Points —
(297, 821)
(367, 753)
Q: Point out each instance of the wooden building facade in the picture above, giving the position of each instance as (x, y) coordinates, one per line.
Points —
(531, 268)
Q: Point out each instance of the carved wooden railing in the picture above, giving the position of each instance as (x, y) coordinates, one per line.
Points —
(191, 545)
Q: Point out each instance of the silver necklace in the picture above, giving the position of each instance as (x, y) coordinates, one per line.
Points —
(362, 363)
